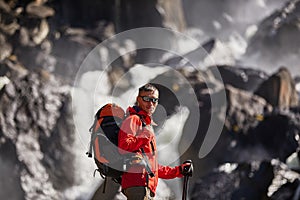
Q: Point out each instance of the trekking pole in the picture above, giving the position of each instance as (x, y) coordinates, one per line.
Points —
(147, 165)
(187, 171)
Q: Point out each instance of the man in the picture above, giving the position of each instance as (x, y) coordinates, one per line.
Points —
(137, 135)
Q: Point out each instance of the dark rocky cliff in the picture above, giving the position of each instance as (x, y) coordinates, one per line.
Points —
(37, 136)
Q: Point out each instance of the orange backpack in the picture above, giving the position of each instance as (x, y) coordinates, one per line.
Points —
(104, 141)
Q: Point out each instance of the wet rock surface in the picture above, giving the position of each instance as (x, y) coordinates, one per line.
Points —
(36, 137)
(280, 90)
(253, 180)
(276, 40)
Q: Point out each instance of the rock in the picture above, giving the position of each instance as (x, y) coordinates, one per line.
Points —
(172, 13)
(46, 61)
(256, 185)
(279, 90)
(4, 6)
(11, 188)
(235, 181)
(242, 78)
(147, 12)
(8, 24)
(285, 183)
(3, 81)
(278, 133)
(35, 128)
(37, 9)
(287, 191)
(5, 48)
(33, 32)
(277, 39)
(24, 38)
(103, 30)
(40, 58)
(247, 131)
(12, 68)
(244, 110)
(252, 180)
(39, 34)
(221, 54)
(212, 53)
(204, 120)
(70, 52)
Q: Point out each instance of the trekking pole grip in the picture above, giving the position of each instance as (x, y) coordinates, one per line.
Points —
(188, 169)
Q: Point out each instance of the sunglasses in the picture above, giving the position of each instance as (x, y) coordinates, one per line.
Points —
(148, 99)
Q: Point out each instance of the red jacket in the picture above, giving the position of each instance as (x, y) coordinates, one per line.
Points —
(132, 137)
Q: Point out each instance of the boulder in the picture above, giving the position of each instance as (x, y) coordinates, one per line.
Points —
(235, 181)
(241, 77)
(250, 180)
(5, 48)
(287, 191)
(279, 90)
(70, 50)
(37, 8)
(244, 110)
(278, 133)
(9, 23)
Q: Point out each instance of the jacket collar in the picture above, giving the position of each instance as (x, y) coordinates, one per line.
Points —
(135, 110)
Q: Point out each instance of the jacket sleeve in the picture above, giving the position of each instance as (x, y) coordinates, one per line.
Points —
(166, 172)
(128, 139)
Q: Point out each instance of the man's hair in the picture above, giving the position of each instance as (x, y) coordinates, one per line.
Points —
(147, 88)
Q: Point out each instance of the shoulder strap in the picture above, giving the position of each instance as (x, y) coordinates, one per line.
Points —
(142, 120)
(90, 151)
(92, 131)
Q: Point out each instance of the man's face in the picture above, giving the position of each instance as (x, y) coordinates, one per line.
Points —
(145, 101)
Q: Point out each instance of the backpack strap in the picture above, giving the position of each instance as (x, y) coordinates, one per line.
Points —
(152, 146)
(104, 186)
(142, 120)
(90, 151)
(92, 131)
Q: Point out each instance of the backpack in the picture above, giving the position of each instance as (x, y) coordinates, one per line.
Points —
(104, 142)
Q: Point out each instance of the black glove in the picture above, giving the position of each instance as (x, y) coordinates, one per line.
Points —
(187, 168)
